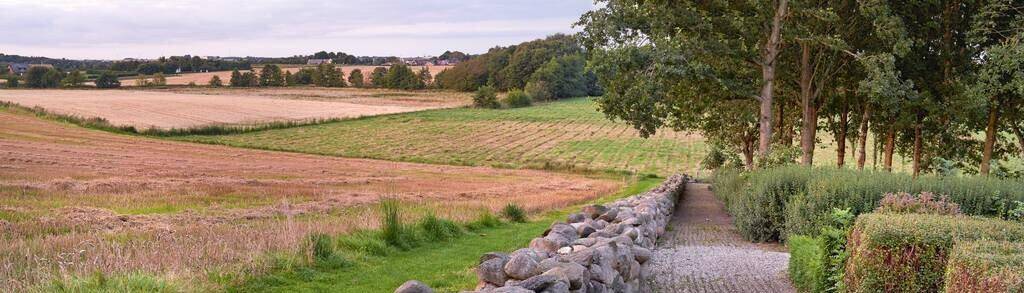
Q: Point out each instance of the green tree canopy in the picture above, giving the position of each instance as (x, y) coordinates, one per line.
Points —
(107, 80)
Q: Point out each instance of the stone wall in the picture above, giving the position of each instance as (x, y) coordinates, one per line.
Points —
(602, 248)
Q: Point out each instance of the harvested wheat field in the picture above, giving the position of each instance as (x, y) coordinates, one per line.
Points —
(203, 78)
(185, 109)
(75, 201)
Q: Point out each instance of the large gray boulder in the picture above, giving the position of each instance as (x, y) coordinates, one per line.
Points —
(521, 266)
(544, 244)
(492, 271)
(593, 211)
(413, 286)
(538, 283)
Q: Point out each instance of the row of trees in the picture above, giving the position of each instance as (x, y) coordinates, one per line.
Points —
(48, 77)
(553, 67)
(924, 78)
(327, 75)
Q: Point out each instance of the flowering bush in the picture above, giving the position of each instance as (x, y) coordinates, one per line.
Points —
(923, 203)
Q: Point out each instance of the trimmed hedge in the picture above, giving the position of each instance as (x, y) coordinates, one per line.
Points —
(986, 266)
(770, 204)
(909, 252)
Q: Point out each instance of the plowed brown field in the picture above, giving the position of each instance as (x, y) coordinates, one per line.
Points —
(75, 200)
(186, 108)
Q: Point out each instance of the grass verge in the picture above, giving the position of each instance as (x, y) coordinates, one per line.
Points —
(445, 264)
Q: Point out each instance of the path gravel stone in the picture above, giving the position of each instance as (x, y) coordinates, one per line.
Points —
(704, 253)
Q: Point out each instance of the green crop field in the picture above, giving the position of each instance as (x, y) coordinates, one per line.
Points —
(565, 135)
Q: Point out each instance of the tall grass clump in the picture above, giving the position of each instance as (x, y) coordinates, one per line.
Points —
(393, 231)
(513, 213)
(437, 229)
(322, 251)
(366, 242)
(100, 282)
(485, 220)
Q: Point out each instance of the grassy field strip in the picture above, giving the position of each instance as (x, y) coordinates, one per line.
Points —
(567, 134)
(447, 266)
(519, 150)
(510, 143)
(534, 154)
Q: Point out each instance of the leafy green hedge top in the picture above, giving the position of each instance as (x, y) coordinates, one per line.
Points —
(769, 204)
(899, 230)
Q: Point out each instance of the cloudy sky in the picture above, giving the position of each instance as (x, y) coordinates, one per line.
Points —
(115, 29)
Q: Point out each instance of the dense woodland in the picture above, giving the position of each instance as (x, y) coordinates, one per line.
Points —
(554, 67)
(941, 82)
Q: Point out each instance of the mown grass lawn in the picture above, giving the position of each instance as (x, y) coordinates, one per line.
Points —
(447, 266)
(564, 135)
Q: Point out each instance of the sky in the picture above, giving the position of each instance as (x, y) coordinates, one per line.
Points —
(116, 29)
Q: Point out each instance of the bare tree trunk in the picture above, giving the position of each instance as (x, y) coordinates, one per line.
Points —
(917, 148)
(784, 138)
(1020, 138)
(771, 53)
(890, 146)
(748, 152)
(863, 139)
(990, 138)
(809, 128)
(844, 118)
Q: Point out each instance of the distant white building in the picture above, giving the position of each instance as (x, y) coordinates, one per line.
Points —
(319, 61)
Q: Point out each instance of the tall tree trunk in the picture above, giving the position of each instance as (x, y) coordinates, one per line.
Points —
(1020, 138)
(844, 119)
(863, 139)
(990, 138)
(890, 146)
(748, 152)
(917, 147)
(784, 138)
(809, 128)
(771, 54)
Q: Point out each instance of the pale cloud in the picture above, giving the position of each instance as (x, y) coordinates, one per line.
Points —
(114, 29)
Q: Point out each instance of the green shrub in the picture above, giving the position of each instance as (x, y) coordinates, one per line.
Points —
(805, 263)
(485, 97)
(759, 208)
(517, 99)
(808, 196)
(107, 80)
(817, 264)
(986, 266)
(513, 213)
(435, 228)
(909, 252)
(539, 90)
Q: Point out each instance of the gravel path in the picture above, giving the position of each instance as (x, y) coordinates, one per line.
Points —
(704, 253)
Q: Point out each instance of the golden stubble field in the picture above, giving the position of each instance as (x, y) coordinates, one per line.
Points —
(203, 78)
(75, 201)
(193, 107)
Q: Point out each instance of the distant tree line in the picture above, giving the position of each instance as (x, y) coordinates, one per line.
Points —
(549, 68)
(328, 75)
